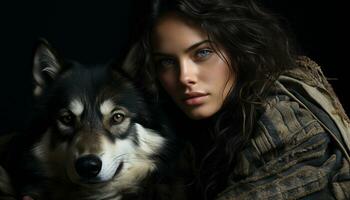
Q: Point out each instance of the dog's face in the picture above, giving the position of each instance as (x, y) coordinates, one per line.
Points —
(98, 129)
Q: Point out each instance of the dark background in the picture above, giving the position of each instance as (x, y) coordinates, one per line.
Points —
(95, 31)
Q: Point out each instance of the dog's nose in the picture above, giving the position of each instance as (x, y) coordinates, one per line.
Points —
(88, 166)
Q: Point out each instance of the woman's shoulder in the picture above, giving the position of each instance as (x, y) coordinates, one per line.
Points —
(297, 162)
(289, 156)
(291, 116)
(307, 85)
(301, 105)
(309, 78)
(307, 71)
(292, 154)
(284, 125)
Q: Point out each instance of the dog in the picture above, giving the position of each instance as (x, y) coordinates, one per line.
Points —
(94, 136)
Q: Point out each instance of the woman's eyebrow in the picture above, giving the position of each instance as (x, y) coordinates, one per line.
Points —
(160, 54)
(196, 45)
(186, 50)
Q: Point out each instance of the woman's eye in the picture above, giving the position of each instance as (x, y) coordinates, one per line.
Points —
(166, 62)
(203, 53)
(118, 118)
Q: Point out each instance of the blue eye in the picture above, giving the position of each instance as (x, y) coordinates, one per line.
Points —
(203, 53)
(166, 62)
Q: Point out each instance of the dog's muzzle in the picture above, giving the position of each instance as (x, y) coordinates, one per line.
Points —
(88, 166)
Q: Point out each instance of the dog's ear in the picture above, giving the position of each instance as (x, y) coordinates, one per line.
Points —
(46, 66)
(131, 62)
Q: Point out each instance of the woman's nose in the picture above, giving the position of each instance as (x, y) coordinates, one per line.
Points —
(187, 73)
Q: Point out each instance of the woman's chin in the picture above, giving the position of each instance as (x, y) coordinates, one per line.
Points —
(200, 112)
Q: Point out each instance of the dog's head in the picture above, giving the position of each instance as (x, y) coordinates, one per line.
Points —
(99, 129)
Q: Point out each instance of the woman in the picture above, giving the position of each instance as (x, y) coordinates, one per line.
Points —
(263, 122)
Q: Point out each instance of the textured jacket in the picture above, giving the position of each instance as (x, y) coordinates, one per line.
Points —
(300, 149)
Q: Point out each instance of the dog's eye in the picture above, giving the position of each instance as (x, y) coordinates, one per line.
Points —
(118, 118)
(67, 118)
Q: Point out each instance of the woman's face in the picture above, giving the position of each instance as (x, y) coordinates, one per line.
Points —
(197, 77)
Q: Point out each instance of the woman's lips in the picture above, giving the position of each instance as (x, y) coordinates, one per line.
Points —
(195, 98)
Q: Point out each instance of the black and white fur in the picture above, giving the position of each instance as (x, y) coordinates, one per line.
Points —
(93, 136)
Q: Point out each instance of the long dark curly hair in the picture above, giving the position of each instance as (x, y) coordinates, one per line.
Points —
(260, 49)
